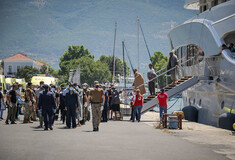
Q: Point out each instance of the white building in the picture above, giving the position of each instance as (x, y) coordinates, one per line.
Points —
(12, 64)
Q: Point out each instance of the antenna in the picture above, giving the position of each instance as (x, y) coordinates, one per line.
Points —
(114, 42)
(138, 42)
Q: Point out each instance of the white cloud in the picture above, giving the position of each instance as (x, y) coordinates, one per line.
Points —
(160, 36)
(38, 3)
(165, 31)
(130, 35)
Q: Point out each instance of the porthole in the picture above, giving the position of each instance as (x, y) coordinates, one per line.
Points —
(200, 102)
(222, 105)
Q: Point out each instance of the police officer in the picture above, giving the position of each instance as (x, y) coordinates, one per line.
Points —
(71, 102)
(47, 106)
(38, 92)
(97, 100)
(62, 104)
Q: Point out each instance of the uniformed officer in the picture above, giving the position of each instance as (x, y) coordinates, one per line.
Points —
(97, 98)
(71, 102)
(47, 106)
(85, 106)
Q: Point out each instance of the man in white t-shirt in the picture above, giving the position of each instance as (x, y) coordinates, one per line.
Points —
(151, 74)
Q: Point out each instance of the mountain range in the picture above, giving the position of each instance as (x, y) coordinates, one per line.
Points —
(46, 27)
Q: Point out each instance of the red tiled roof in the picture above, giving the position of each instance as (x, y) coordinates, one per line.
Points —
(40, 63)
(18, 57)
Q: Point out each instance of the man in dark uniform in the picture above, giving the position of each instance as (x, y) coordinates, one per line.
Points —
(11, 100)
(106, 105)
(47, 106)
(62, 104)
(71, 102)
(110, 109)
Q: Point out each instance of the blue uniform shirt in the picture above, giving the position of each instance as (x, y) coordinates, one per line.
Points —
(46, 100)
(71, 100)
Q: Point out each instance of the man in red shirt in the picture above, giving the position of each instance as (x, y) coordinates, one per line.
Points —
(162, 99)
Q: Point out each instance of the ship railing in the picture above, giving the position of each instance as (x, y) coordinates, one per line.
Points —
(213, 64)
(164, 73)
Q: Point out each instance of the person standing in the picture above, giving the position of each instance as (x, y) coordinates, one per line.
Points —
(151, 74)
(38, 92)
(172, 63)
(85, 106)
(71, 105)
(139, 80)
(11, 98)
(62, 105)
(106, 105)
(28, 106)
(110, 109)
(97, 99)
(2, 105)
(162, 99)
(138, 104)
(47, 106)
(132, 104)
(116, 102)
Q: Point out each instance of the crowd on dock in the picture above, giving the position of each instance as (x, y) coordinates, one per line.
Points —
(75, 104)
(71, 103)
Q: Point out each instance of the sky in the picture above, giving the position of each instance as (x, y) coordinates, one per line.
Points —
(47, 27)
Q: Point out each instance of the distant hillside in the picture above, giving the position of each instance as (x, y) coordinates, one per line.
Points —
(47, 27)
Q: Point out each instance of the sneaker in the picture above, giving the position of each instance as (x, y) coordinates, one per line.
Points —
(13, 122)
(45, 129)
(51, 128)
(6, 122)
(30, 121)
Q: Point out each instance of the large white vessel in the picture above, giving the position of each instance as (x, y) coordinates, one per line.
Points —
(200, 39)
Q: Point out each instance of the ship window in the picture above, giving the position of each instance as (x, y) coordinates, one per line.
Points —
(222, 105)
(215, 2)
(204, 8)
(200, 102)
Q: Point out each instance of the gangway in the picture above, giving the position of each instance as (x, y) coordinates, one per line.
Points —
(172, 90)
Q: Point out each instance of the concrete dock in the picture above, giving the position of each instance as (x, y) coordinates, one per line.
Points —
(116, 140)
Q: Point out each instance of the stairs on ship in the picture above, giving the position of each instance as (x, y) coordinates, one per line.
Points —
(172, 90)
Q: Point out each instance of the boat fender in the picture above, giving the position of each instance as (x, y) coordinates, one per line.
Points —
(226, 121)
(190, 113)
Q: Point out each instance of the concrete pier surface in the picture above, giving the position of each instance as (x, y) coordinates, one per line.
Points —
(116, 140)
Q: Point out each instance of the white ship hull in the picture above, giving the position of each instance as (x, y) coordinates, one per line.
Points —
(201, 37)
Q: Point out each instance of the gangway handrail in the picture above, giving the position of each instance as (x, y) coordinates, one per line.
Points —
(166, 66)
(164, 72)
(223, 19)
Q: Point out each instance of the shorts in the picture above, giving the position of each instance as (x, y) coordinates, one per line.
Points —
(116, 107)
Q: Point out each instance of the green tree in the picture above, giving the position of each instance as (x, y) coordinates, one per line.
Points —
(118, 64)
(91, 70)
(69, 59)
(27, 72)
(159, 62)
(43, 69)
